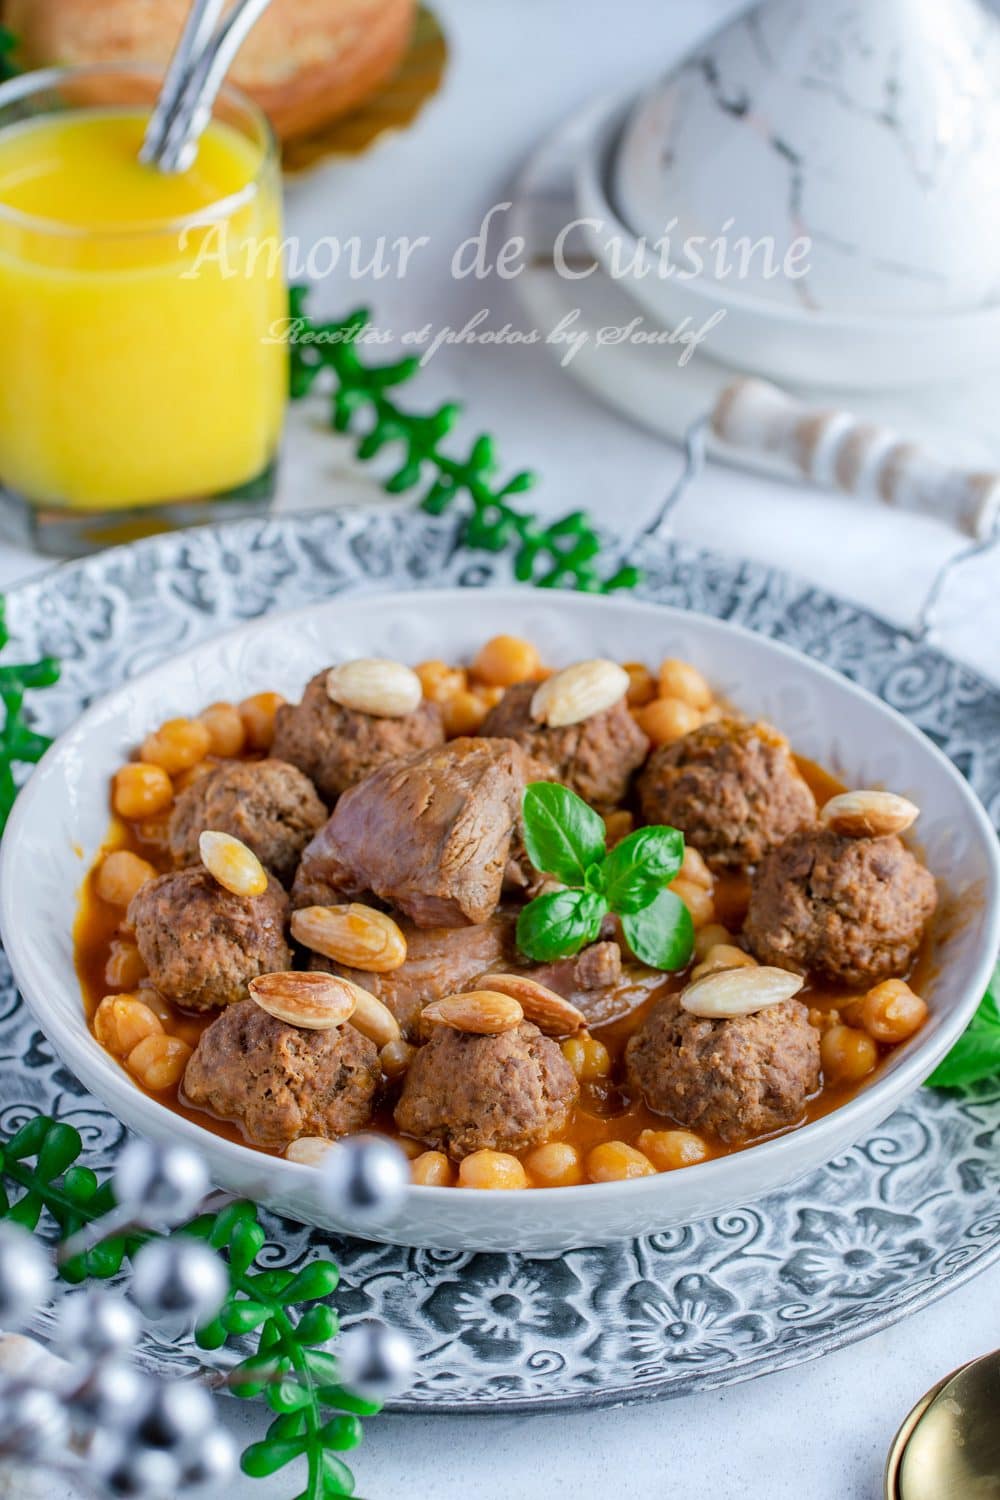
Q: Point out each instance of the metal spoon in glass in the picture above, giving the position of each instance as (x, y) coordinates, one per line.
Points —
(203, 56)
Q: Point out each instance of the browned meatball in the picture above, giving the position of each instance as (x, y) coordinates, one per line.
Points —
(337, 747)
(736, 1079)
(464, 1093)
(201, 944)
(277, 1082)
(848, 910)
(733, 790)
(595, 758)
(268, 804)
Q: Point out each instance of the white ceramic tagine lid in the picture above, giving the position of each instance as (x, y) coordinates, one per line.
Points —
(872, 129)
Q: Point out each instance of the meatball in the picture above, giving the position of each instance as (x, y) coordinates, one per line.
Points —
(595, 758)
(848, 910)
(268, 804)
(201, 944)
(464, 1093)
(337, 747)
(736, 1078)
(733, 790)
(277, 1082)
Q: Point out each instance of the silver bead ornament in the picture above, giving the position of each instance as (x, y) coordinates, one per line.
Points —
(364, 1181)
(34, 1423)
(374, 1360)
(214, 1465)
(128, 1472)
(179, 1415)
(179, 1277)
(113, 1396)
(25, 1277)
(95, 1324)
(159, 1185)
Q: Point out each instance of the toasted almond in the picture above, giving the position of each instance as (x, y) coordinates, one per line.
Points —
(723, 956)
(578, 692)
(859, 815)
(481, 1012)
(739, 992)
(375, 685)
(355, 935)
(231, 863)
(372, 1017)
(308, 1150)
(549, 1011)
(314, 1001)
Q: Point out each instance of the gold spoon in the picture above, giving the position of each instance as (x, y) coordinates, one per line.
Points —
(949, 1446)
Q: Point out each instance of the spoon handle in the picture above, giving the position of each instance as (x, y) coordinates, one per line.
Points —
(202, 19)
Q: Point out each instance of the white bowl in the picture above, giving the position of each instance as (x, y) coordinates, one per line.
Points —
(783, 341)
(61, 818)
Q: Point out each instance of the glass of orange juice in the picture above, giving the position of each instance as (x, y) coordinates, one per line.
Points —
(143, 374)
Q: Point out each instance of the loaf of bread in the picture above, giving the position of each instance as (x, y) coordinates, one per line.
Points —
(305, 62)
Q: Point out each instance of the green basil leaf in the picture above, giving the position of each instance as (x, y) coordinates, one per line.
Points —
(562, 835)
(641, 865)
(662, 934)
(560, 924)
(976, 1054)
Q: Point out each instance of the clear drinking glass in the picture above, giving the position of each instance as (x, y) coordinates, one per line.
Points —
(143, 375)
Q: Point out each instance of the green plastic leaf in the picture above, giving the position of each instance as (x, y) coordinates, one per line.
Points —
(976, 1054)
(563, 836)
(337, 1477)
(245, 1244)
(319, 1279)
(341, 1433)
(243, 1316)
(560, 924)
(335, 1395)
(61, 1147)
(662, 934)
(288, 1396)
(28, 1141)
(641, 865)
(317, 1326)
(27, 1210)
(227, 1221)
(80, 1184)
(268, 1456)
(290, 1425)
(321, 1366)
(211, 1336)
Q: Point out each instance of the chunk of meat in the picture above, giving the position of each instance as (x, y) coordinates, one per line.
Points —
(430, 835)
(278, 1082)
(201, 944)
(337, 747)
(467, 1093)
(595, 758)
(732, 788)
(439, 961)
(736, 1079)
(268, 804)
(852, 911)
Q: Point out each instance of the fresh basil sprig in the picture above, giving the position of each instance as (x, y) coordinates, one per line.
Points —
(565, 838)
(976, 1054)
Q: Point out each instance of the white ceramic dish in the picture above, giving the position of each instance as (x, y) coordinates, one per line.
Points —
(61, 818)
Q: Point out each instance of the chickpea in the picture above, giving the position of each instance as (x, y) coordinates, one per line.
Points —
(124, 967)
(556, 1164)
(588, 1057)
(410, 1148)
(846, 1054)
(506, 659)
(614, 1161)
(491, 1170)
(619, 825)
(695, 869)
(184, 779)
(257, 713)
(177, 745)
(679, 679)
(491, 696)
(158, 1062)
(723, 956)
(121, 874)
(463, 714)
(707, 938)
(670, 1149)
(891, 1011)
(667, 719)
(440, 681)
(226, 734)
(642, 684)
(155, 832)
(141, 791)
(121, 1022)
(698, 901)
(159, 1005)
(432, 1169)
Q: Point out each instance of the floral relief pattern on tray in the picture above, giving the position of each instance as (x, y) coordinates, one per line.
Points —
(883, 1229)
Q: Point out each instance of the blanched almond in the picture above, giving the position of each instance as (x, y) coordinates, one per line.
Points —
(308, 1150)
(232, 864)
(739, 992)
(481, 1012)
(372, 1018)
(859, 815)
(355, 935)
(549, 1011)
(375, 685)
(315, 1002)
(578, 692)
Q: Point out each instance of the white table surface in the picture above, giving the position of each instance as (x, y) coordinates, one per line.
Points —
(819, 1432)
